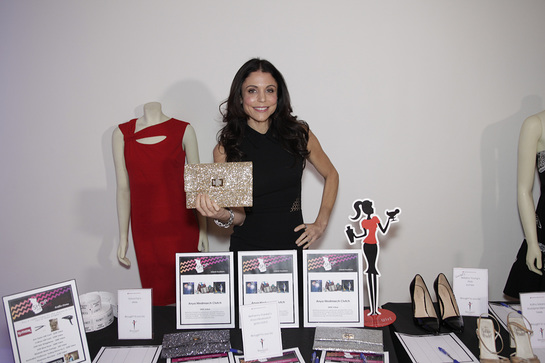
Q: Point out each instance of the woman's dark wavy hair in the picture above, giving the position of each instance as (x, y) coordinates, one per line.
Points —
(285, 127)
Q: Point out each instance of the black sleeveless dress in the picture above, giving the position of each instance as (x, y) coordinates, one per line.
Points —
(521, 279)
(276, 209)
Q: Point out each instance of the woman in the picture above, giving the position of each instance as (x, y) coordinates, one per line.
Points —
(260, 127)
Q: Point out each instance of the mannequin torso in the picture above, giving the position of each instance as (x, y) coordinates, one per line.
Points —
(531, 142)
(526, 274)
(164, 163)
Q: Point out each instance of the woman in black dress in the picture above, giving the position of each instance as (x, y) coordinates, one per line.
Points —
(259, 127)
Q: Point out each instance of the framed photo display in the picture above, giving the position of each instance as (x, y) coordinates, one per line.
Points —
(333, 288)
(45, 325)
(204, 290)
(270, 276)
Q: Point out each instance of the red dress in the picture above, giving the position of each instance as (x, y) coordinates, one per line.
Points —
(161, 225)
(371, 225)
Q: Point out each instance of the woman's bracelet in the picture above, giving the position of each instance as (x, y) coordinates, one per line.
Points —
(229, 222)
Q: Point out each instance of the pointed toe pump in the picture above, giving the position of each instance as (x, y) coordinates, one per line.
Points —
(449, 313)
(424, 314)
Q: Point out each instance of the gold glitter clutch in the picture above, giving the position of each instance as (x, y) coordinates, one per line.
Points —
(229, 184)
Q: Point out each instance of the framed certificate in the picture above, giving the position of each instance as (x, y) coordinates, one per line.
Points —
(270, 276)
(45, 325)
(204, 290)
(333, 288)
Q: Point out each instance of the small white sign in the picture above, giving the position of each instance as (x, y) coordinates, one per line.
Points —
(261, 334)
(470, 286)
(134, 319)
(533, 309)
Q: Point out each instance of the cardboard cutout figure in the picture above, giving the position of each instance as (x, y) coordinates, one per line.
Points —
(370, 224)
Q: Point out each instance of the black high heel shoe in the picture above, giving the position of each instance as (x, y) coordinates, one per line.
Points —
(448, 308)
(424, 314)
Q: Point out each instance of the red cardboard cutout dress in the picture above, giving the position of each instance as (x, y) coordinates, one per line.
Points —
(161, 225)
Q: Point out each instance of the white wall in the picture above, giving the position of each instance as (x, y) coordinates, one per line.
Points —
(418, 104)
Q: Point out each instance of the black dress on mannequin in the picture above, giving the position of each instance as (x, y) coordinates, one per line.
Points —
(521, 279)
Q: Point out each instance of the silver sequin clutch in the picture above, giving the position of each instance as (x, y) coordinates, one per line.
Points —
(191, 343)
(348, 340)
(229, 184)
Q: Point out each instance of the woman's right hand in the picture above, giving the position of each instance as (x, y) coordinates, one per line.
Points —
(209, 208)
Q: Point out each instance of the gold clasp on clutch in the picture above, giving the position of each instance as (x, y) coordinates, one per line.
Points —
(217, 182)
(348, 336)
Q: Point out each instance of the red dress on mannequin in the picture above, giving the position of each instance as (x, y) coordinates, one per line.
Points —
(161, 225)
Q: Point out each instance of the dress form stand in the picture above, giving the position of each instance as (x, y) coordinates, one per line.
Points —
(149, 155)
(526, 273)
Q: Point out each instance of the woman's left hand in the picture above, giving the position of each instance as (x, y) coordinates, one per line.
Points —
(311, 234)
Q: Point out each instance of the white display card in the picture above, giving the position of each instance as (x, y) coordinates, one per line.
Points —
(45, 325)
(470, 287)
(533, 309)
(204, 290)
(333, 288)
(261, 335)
(267, 276)
(134, 314)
